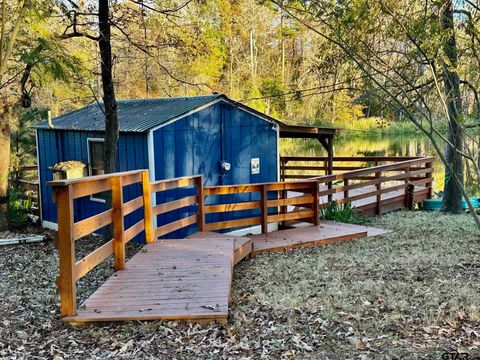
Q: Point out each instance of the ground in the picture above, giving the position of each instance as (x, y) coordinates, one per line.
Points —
(413, 293)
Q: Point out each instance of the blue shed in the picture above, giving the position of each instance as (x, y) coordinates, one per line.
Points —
(171, 137)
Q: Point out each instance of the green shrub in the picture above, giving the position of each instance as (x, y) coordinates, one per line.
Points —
(345, 213)
(18, 210)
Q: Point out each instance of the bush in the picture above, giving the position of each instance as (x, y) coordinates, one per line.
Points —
(18, 210)
(345, 213)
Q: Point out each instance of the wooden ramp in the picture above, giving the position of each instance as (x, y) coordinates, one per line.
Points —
(170, 279)
(305, 235)
(190, 279)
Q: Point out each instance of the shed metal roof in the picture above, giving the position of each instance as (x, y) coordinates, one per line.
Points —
(133, 115)
(141, 115)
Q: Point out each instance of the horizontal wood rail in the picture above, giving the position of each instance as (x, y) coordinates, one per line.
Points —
(271, 195)
(197, 199)
(392, 183)
(305, 167)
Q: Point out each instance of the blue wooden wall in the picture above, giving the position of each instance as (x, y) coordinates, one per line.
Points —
(60, 145)
(191, 145)
(197, 143)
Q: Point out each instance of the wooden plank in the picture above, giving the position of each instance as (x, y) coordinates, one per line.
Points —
(89, 225)
(118, 224)
(90, 187)
(233, 223)
(134, 230)
(299, 185)
(246, 205)
(147, 208)
(165, 229)
(66, 249)
(163, 185)
(132, 205)
(264, 209)
(304, 214)
(231, 189)
(296, 200)
(349, 158)
(84, 265)
(201, 203)
(174, 205)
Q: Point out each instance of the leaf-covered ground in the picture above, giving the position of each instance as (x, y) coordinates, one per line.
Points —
(413, 293)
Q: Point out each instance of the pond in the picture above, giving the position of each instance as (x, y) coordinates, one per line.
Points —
(382, 145)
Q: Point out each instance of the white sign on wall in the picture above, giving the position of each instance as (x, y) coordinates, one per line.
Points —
(255, 165)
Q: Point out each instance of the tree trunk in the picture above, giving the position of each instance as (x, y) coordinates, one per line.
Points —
(452, 198)
(110, 103)
(4, 164)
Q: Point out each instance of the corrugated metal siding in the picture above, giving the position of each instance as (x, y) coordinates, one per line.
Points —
(197, 143)
(55, 146)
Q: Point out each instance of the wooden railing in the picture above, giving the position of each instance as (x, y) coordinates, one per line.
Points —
(306, 167)
(179, 203)
(69, 231)
(269, 195)
(406, 182)
(399, 179)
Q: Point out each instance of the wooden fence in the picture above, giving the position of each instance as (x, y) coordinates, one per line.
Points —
(273, 202)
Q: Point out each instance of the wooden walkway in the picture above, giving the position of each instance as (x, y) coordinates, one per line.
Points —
(170, 280)
(190, 279)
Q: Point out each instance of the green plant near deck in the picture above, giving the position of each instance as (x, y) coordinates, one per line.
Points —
(345, 213)
(18, 210)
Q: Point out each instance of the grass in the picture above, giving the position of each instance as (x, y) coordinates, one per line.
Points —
(413, 293)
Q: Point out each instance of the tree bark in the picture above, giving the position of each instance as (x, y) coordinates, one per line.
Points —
(452, 197)
(4, 164)
(109, 101)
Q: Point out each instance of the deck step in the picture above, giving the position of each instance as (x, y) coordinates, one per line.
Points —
(243, 245)
(305, 236)
(186, 279)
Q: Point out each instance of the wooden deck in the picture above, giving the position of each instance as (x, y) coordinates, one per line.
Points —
(190, 279)
(170, 280)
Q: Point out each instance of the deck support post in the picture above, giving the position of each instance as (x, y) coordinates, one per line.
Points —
(407, 189)
(67, 286)
(410, 196)
(315, 203)
(118, 224)
(147, 208)
(346, 192)
(378, 203)
(429, 185)
(264, 209)
(201, 203)
(327, 143)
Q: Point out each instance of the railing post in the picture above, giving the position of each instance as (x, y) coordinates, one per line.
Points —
(429, 185)
(407, 181)
(346, 192)
(264, 209)
(315, 203)
(378, 204)
(118, 223)
(201, 203)
(283, 163)
(66, 248)
(147, 207)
